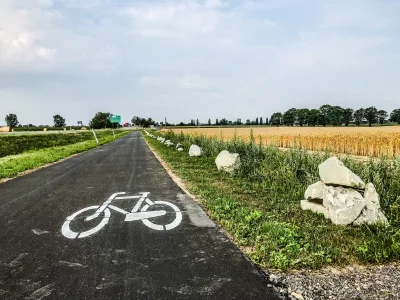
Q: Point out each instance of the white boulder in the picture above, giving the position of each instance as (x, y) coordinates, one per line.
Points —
(314, 207)
(195, 151)
(315, 191)
(344, 205)
(371, 213)
(179, 145)
(228, 162)
(180, 149)
(334, 172)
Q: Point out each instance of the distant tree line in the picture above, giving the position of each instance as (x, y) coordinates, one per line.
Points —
(334, 116)
(326, 115)
(100, 120)
(224, 122)
(12, 121)
(143, 122)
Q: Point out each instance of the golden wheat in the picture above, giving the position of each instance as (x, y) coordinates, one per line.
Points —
(363, 141)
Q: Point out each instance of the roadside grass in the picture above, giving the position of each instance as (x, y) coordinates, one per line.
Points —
(260, 205)
(13, 165)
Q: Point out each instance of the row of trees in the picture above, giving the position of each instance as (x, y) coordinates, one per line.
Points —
(12, 121)
(100, 120)
(325, 115)
(335, 116)
(224, 121)
(143, 122)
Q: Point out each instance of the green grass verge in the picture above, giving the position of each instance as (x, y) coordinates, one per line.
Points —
(11, 166)
(260, 205)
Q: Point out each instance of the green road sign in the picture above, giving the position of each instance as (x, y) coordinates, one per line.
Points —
(115, 119)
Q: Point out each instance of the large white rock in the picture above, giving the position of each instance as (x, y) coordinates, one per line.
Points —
(315, 191)
(195, 151)
(180, 149)
(372, 213)
(344, 205)
(315, 207)
(228, 162)
(334, 172)
(179, 145)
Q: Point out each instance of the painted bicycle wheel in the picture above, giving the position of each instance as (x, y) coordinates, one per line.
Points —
(171, 225)
(66, 228)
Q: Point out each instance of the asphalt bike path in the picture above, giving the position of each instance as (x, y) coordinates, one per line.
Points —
(111, 224)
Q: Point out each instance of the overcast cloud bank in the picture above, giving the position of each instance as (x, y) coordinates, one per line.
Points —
(195, 59)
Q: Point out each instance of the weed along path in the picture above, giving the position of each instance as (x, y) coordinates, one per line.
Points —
(111, 224)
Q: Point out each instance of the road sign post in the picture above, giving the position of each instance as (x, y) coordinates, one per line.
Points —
(94, 133)
(115, 119)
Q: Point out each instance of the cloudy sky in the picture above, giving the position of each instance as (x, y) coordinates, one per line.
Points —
(195, 59)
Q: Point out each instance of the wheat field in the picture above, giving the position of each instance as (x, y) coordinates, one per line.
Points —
(362, 141)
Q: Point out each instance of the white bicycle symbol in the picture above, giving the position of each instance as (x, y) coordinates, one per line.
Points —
(138, 212)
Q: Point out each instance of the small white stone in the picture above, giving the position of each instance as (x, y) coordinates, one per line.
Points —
(195, 151)
(344, 205)
(228, 162)
(314, 207)
(372, 213)
(297, 296)
(334, 172)
(315, 191)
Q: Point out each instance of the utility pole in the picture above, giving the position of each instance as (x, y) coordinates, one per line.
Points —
(165, 122)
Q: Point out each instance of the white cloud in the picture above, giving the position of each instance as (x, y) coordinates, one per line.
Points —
(85, 4)
(243, 58)
(361, 14)
(46, 53)
(194, 82)
(37, 37)
(23, 33)
(211, 4)
(175, 20)
(157, 82)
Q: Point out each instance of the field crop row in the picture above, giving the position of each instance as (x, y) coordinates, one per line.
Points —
(16, 144)
(363, 141)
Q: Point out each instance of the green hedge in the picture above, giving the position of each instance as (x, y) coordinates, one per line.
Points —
(21, 129)
(15, 144)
